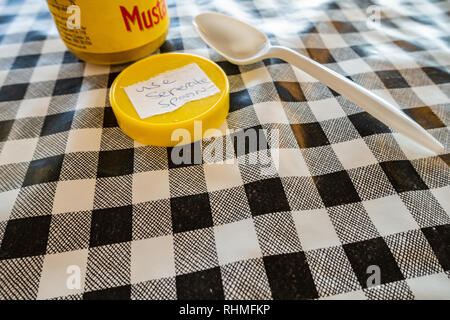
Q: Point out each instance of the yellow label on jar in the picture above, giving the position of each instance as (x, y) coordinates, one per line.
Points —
(107, 26)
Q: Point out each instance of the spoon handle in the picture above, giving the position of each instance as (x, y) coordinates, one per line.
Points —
(373, 104)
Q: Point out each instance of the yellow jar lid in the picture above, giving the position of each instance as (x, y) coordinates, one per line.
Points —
(157, 130)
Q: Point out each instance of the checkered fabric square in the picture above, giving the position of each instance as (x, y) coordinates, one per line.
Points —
(348, 196)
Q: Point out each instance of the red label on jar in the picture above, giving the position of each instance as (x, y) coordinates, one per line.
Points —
(144, 19)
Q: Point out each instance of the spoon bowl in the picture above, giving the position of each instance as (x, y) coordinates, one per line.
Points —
(241, 43)
(235, 40)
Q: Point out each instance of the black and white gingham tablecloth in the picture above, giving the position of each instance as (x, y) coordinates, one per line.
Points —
(349, 193)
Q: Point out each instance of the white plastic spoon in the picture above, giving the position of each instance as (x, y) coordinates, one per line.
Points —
(241, 43)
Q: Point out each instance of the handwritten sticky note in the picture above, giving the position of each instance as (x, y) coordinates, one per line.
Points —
(170, 90)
